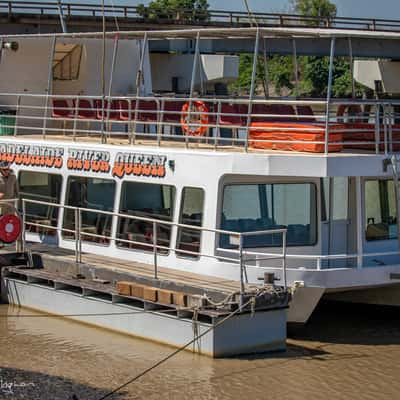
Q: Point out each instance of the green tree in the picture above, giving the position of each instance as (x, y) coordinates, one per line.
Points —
(322, 9)
(181, 10)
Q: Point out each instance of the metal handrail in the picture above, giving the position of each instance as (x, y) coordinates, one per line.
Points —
(156, 247)
(381, 138)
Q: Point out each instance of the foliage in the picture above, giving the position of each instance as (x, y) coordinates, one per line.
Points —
(315, 8)
(181, 10)
(313, 70)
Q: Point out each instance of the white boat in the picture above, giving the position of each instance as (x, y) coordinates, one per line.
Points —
(148, 147)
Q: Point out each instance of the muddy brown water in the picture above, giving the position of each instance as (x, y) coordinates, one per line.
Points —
(345, 352)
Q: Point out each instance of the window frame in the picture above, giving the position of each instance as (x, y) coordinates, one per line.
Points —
(314, 215)
(173, 213)
(66, 195)
(178, 251)
(60, 211)
(364, 211)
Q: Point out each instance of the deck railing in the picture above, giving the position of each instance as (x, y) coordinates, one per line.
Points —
(209, 17)
(78, 234)
(208, 122)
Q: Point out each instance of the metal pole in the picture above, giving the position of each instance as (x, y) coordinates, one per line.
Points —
(351, 60)
(103, 74)
(252, 85)
(397, 194)
(76, 219)
(139, 80)
(155, 249)
(49, 84)
(242, 287)
(17, 114)
(114, 60)
(79, 234)
(23, 233)
(296, 67)
(62, 18)
(266, 71)
(329, 94)
(284, 259)
(192, 83)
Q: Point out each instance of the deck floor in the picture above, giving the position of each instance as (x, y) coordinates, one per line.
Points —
(137, 269)
(200, 144)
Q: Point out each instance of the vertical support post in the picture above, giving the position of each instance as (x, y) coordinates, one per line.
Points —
(252, 86)
(113, 63)
(62, 18)
(23, 233)
(155, 249)
(49, 85)
(76, 219)
(160, 119)
(284, 259)
(80, 234)
(266, 70)
(192, 83)
(385, 128)
(218, 128)
(242, 287)
(329, 94)
(296, 67)
(17, 114)
(360, 223)
(139, 80)
(377, 128)
(351, 60)
(397, 194)
(103, 74)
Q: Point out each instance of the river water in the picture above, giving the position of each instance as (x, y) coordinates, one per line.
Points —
(345, 352)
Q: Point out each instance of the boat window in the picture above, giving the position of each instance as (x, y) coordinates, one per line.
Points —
(149, 201)
(67, 61)
(339, 196)
(380, 210)
(95, 194)
(257, 207)
(43, 187)
(188, 239)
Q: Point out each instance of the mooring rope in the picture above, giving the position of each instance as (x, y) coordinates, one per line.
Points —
(174, 353)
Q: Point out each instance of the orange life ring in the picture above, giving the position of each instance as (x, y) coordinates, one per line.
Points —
(199, 117)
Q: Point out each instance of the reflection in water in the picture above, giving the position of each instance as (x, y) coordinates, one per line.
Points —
(343, 353)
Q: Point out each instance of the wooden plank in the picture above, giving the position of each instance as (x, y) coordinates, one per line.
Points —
(150, 293)
(124, 288)
(164, 296)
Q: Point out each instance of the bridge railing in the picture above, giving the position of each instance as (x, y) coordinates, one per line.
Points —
(209, 17)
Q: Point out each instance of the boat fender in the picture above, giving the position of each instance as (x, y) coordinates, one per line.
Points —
(199, 117)
(10, 228)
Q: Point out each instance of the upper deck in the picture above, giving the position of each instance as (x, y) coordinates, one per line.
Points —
(55, 89)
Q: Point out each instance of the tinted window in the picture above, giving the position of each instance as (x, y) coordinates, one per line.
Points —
(191, 214)
(258, 207)
(150, 201)
(380, 210)
(95, 194)
(42, 187)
